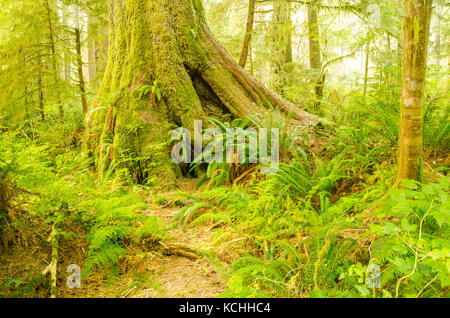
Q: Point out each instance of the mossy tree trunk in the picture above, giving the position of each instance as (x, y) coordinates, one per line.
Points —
(416, 30)
(166, 45)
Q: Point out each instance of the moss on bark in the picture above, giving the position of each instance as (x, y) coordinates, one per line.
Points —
(167, 41)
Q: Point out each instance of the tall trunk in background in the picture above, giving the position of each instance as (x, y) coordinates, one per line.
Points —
(248, 33)
(54, 59)
(366, 71)
(26, 102)
(167, 45)
(67, 56)
(101, 51)
(281, 44)
(315, 59)
(92, 46)
(81, 84)
(416, 29)
(39, 86)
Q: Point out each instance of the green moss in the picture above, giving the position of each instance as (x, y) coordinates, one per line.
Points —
(198, 6)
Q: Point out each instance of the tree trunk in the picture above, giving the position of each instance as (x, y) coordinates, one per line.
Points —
(315, 60)
(366, 71)
(39, 86)
(67, 56)
(81, 84)
(248, 33)
(282, 44)
(416, 30)
(54, 60)
(92, 61)
(166, 45)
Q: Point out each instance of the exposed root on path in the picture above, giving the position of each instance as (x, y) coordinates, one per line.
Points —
(179, 250)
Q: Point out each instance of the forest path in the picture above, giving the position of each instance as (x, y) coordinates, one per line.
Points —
(151, 273)
(178, 276)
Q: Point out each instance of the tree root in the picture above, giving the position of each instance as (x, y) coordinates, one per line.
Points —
(180, 250)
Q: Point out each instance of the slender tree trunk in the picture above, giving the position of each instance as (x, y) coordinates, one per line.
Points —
(67, 57)
(40, 88)
(282, 44)
(167, 41)
(81, 84)
(54, 60)
(92, 61)
(26, 102)
(248, 33)
(315, 60)
(416, 30)
(366, 71)
(251, 60)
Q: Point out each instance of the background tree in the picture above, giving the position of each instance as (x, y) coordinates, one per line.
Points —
(315, 59)
(416, 30)
(248, 33)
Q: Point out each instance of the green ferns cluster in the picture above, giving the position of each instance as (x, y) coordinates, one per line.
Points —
(114, 223)
(61, 190)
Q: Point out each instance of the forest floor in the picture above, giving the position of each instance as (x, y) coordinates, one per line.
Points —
(181, 276)
(151, 273)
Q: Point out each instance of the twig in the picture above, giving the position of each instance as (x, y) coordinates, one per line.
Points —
(53, 266)
(129, 292)
(417, 252)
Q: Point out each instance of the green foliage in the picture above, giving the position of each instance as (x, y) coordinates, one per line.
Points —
(413, 245)
(113, 223)
(229, 169)
(111, 217)
(316, 228)
(144, 90)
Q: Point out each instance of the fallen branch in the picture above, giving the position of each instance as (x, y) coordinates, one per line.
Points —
(52, 267)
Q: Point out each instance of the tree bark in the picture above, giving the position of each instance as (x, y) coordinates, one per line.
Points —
(416, 28)
(54, 59)
(167, 43)
(366, 71)
(315, 59)
(248, 33)
(81, 84)
(92, 61)
(39, 86)
(282, 44)
(67, 56)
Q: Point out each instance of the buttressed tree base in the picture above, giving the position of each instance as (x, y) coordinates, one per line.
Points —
(167, 47)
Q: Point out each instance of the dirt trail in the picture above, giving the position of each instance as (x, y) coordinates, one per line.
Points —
(180, 276)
